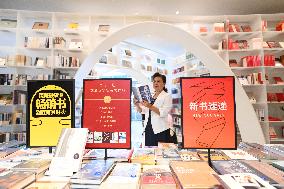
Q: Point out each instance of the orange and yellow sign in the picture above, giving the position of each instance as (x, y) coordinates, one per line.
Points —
(208, 112)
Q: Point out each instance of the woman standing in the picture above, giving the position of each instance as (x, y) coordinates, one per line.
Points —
(156, 112)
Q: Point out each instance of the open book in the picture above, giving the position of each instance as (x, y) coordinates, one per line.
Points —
(142, 93)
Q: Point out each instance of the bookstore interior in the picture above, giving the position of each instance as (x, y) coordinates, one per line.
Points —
(79, 100)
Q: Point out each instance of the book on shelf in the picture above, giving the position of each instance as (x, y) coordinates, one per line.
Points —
(104, 28)
(234, 63)
(219, 27)
(94, 172)
(6, 99)
(128, 52)
(256, 43)
(281, 43)
(279, 26)
(203, 29)
(246, 28)
(8, 23)
(73, 25)
(76, 44)
(244, 180)
(278, 80)
(234, 28)
(273, 44)
(16, 179)
(40, 25)
(59, 42)
(126, 63)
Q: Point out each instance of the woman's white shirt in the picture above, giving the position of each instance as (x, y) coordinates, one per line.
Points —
(164, 104)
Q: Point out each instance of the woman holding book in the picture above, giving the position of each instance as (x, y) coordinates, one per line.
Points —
(156, 112)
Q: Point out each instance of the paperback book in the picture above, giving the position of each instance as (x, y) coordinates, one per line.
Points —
(93, 173)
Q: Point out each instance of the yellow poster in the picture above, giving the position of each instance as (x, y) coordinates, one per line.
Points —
(50, 110)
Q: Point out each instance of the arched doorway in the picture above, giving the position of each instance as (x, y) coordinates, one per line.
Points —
(248, 124)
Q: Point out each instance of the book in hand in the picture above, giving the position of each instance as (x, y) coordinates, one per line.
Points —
(16, 179)
(93, 173)
(145, 93)
(244, 180)
(40, 25)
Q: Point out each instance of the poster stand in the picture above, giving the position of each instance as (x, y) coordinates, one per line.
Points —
(209, 159)
(105, 158)
(50, 150)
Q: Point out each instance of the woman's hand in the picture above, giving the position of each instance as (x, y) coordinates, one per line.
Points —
(146, 104)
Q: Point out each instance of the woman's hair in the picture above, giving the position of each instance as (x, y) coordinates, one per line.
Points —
(157, 74)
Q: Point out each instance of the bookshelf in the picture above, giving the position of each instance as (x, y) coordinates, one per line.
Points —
(92, 29)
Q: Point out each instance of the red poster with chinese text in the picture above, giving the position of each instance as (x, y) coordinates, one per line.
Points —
(107, 113)
(208, 112)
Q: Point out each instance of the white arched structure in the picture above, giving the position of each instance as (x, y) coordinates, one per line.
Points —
(248, 123)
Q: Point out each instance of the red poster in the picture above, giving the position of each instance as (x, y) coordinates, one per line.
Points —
(107, 113)
(208, 112)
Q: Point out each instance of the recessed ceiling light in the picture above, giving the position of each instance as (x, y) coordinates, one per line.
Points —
(177, 12)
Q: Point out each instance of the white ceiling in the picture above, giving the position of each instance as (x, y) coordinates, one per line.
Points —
(150, 7)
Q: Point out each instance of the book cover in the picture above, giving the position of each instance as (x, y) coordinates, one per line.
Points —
(278, 165)
(93, 173)
(35, 165)
(8, 23)
(145, 93)
(40, 25)
(215, 155)
(244, 180)
(48, 185)
(143, 156)
(136, 94)
(246, 28)
(69, 147)
(275, 176)
(16, 179)
(195, 174)
(157, 177)
(123, 176)
(238, 154)
(189, 156)
(104, 28)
